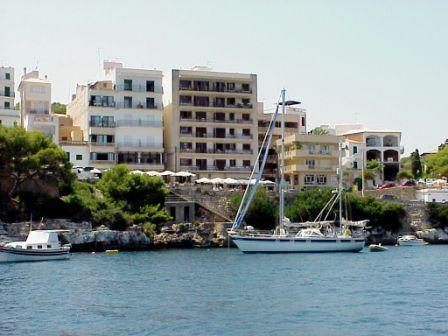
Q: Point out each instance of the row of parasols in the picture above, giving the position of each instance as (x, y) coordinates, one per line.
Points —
(204, 180)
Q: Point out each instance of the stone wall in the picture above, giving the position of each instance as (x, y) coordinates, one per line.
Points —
(402, 193)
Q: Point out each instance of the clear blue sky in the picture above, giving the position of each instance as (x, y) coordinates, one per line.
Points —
(381, 63)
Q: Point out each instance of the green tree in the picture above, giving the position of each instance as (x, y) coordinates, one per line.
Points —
(308, 204)
(262, 212)
(437, 164)
(404, 175)
(438, 214)
(319, 131)
(369, 175)
(139, 196)
(416, 164)
(58, 108)
(27, 156)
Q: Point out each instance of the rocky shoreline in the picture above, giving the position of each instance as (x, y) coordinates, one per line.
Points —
(84, 238)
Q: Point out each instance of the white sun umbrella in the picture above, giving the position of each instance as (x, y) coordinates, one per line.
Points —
(137, 172)
(230, 180)
(267, 182)
(184, 174)
(203, 180)
(167, 173)
(152, 173)
(217, 180)
(95, 171)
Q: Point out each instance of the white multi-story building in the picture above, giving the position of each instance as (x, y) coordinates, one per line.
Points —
(8, 115)
(121, 117)
(364, 145)
(35, 105)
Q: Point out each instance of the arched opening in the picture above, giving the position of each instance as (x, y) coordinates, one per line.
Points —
(390, 141)
(373, 154)
(373, 141)
(390, 156)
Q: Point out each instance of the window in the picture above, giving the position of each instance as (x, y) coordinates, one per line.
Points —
(230, 86)
(149, 86)
(311, 149)
(7, 75)
(302, 121)
(68, 155)
(185, 115)
(7, 91)
(7, 105)
(39, 246)
(246, 132)
(185, 146)
(201, 115)
(231, 131)
(246, 116)
(29, 247)
(245, 87)
(321, 179)
(355, 149)
(324, 149)
(246, 147)
(128, 102)
(231, 101)
(355, 165)
(185, 130)
(186, 162)
(49, 246)
(246, 101)
(231, 116)
(232, 163)
(310, 163)
(309, 179)
(184, 84)
(78, 157)
(185, 100)
(150, 103)
(173, 212)
(128, 84)
(246, 163)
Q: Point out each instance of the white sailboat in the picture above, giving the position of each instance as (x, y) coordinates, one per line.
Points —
(318, 236)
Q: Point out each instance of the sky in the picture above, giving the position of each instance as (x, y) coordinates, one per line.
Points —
(380, 63)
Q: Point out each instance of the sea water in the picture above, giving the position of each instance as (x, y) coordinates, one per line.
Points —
(403, 291)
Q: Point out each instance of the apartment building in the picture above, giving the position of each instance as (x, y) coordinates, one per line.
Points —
(295, 123)
(8, 115)
(71, 140)
(35, 105)
(211, 123)
(311, 160)
(121, 117)
(365, 145)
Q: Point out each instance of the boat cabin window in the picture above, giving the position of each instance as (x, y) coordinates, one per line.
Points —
(48, 246)
(29, 247)
(39, 246)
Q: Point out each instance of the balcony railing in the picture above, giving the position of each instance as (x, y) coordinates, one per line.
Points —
(93, 143)
(140, 123)
(216, 151)
(11, 94)
(138, 105)
(216, 136)
(214, 89)
(141, 144)
(211, 120)
(138, 88)
(218, 105)
(215, 168)
(101, 104)
(72, 143)
(107, 125)
(33, 111)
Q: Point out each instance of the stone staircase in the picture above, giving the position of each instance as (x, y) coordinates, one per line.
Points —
(205, 203)
(417, 215)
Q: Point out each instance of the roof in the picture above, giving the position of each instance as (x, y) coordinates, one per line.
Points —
(365, 130)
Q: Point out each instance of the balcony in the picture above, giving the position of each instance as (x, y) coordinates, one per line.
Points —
(101, 104)
(215, 136)
(138, 88)
(72, 143)
(139, 105)
(211, 120)
(216, 151)
(139, 123)
(140, 145)
(218, 105)
(102, 144)
(10, 94)
(215, 168)
(106, 125)
(214, 89)
(33, 111)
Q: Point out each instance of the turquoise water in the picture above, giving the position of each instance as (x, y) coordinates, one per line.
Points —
(223, 292)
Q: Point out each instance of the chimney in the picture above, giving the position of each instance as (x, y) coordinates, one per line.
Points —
(24, 71)
(46, 77)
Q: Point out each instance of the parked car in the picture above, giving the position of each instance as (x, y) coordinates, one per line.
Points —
(388, 197)
(386, 185)
(409, 183)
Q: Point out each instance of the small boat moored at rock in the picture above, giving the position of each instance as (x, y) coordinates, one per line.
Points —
(40, 245)
(410, 240)
(377, 248)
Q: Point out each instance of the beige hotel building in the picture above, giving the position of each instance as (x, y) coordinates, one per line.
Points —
(210, 125)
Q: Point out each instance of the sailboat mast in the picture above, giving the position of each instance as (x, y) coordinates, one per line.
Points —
(340, 184)
(282, 164)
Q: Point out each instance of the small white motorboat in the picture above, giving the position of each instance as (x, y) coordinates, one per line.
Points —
(377, 248)
(410, 240)
(40, 245)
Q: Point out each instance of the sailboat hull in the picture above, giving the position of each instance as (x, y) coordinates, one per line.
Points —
(297, 245)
